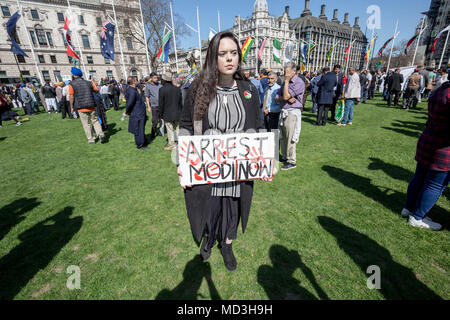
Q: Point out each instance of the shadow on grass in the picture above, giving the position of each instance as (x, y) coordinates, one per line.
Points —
(414, 134)
(111, 131)
(397, 281)
(389, 198)
(39, 245)
(193, 275)
(310, 118)
(395, 172)
(410, 125)
(278, 280)
(2, 139)
(13, 213)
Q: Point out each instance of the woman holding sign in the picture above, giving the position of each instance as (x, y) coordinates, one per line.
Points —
(220, 101)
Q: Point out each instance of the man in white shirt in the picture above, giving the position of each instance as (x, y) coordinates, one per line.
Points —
(352, 95)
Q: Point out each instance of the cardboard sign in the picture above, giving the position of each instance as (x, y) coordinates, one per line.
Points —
(225, 158)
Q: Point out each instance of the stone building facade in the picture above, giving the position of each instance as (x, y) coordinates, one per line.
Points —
(44, 20)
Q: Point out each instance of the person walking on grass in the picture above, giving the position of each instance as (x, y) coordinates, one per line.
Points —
(352, 96)
(170, 103)
(152, 100)
(290, 97)
(135, 109)
(223, 101)
(412, 86)
(433, 162)
(5, 110)
(81, 99)
(394, 87)
(27, 100)
(271, 108)
(50, 97)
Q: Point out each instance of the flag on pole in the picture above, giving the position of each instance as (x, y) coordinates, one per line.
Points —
(261, 48)
(277, 50)
(348, 49)
(11, 29)
(329, 53)
(310, 48)
(369, 48)
(67, 36)
(211, 34)
(380, 52)
(410, 42)
(163, 53)
(246, 48)
(438, 36)
(289, 51)
(302, 52)
(107, 40)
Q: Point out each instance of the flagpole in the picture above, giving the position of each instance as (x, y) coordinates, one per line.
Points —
(218, 19)
(145, 38)
(256, 48)
(370, 43)
(443, 50)
(332, 52)
(78, 41)
(31, 45)
(175, 39)
(317, 50)
(349, 52)
(120, 42)
(199, 39)
(392, 47)
(418, 40)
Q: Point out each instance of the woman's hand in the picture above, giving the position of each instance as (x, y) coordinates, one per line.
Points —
(179, 177)
(267, 179)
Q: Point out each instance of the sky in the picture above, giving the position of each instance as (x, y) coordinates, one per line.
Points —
(408, 13)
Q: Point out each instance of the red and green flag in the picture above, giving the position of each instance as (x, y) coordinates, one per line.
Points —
(163, 53)
(438, 36)
(246, 48)
(410, 42)
(380, 52)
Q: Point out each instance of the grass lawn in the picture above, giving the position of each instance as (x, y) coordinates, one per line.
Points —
(119, 215)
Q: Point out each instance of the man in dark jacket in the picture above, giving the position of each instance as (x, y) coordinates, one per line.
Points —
(338, 91)
(136, 111)
(49, 94)
(170, 104)
(327, 87)
(114, 93)
(81, 99)
(395, 86)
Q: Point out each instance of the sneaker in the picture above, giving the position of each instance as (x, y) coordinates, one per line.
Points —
(350, 123)
(92, 142)
(341, 124)
(288, 166)
(228, 256)
(101, 139)
(19, 123)
(203, 251)
(123, 117)
(425, 223)
(406, 213)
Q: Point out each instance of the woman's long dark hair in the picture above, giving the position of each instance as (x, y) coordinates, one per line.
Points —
(203, 90)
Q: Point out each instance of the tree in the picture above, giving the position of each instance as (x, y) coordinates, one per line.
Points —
(155, 13)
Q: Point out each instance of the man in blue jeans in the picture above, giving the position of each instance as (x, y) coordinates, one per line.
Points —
(352, 95)
(433, 162)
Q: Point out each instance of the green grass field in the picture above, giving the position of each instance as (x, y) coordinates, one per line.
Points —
(118, 213)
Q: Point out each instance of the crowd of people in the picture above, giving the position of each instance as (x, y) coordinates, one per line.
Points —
(280, 100)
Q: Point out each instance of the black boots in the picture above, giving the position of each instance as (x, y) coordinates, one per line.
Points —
(228, 256)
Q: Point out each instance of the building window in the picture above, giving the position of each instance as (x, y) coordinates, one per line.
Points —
(53, 58)
(2, 73)
(21, 59)
(60, 16)
(129, 43)
(64, 40)
(107, 61)
(41, 58)
(132, 60)
(109, 73)
(35, 14)
(5, 11)
(49, 38)
(134, 73)
(81, 19)
(46, 75)
(25, 73)
(90, 60)
(85, 39)
(126, 23)
(92, 73)
(41, 37)
(33, 37)
(99, 21)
